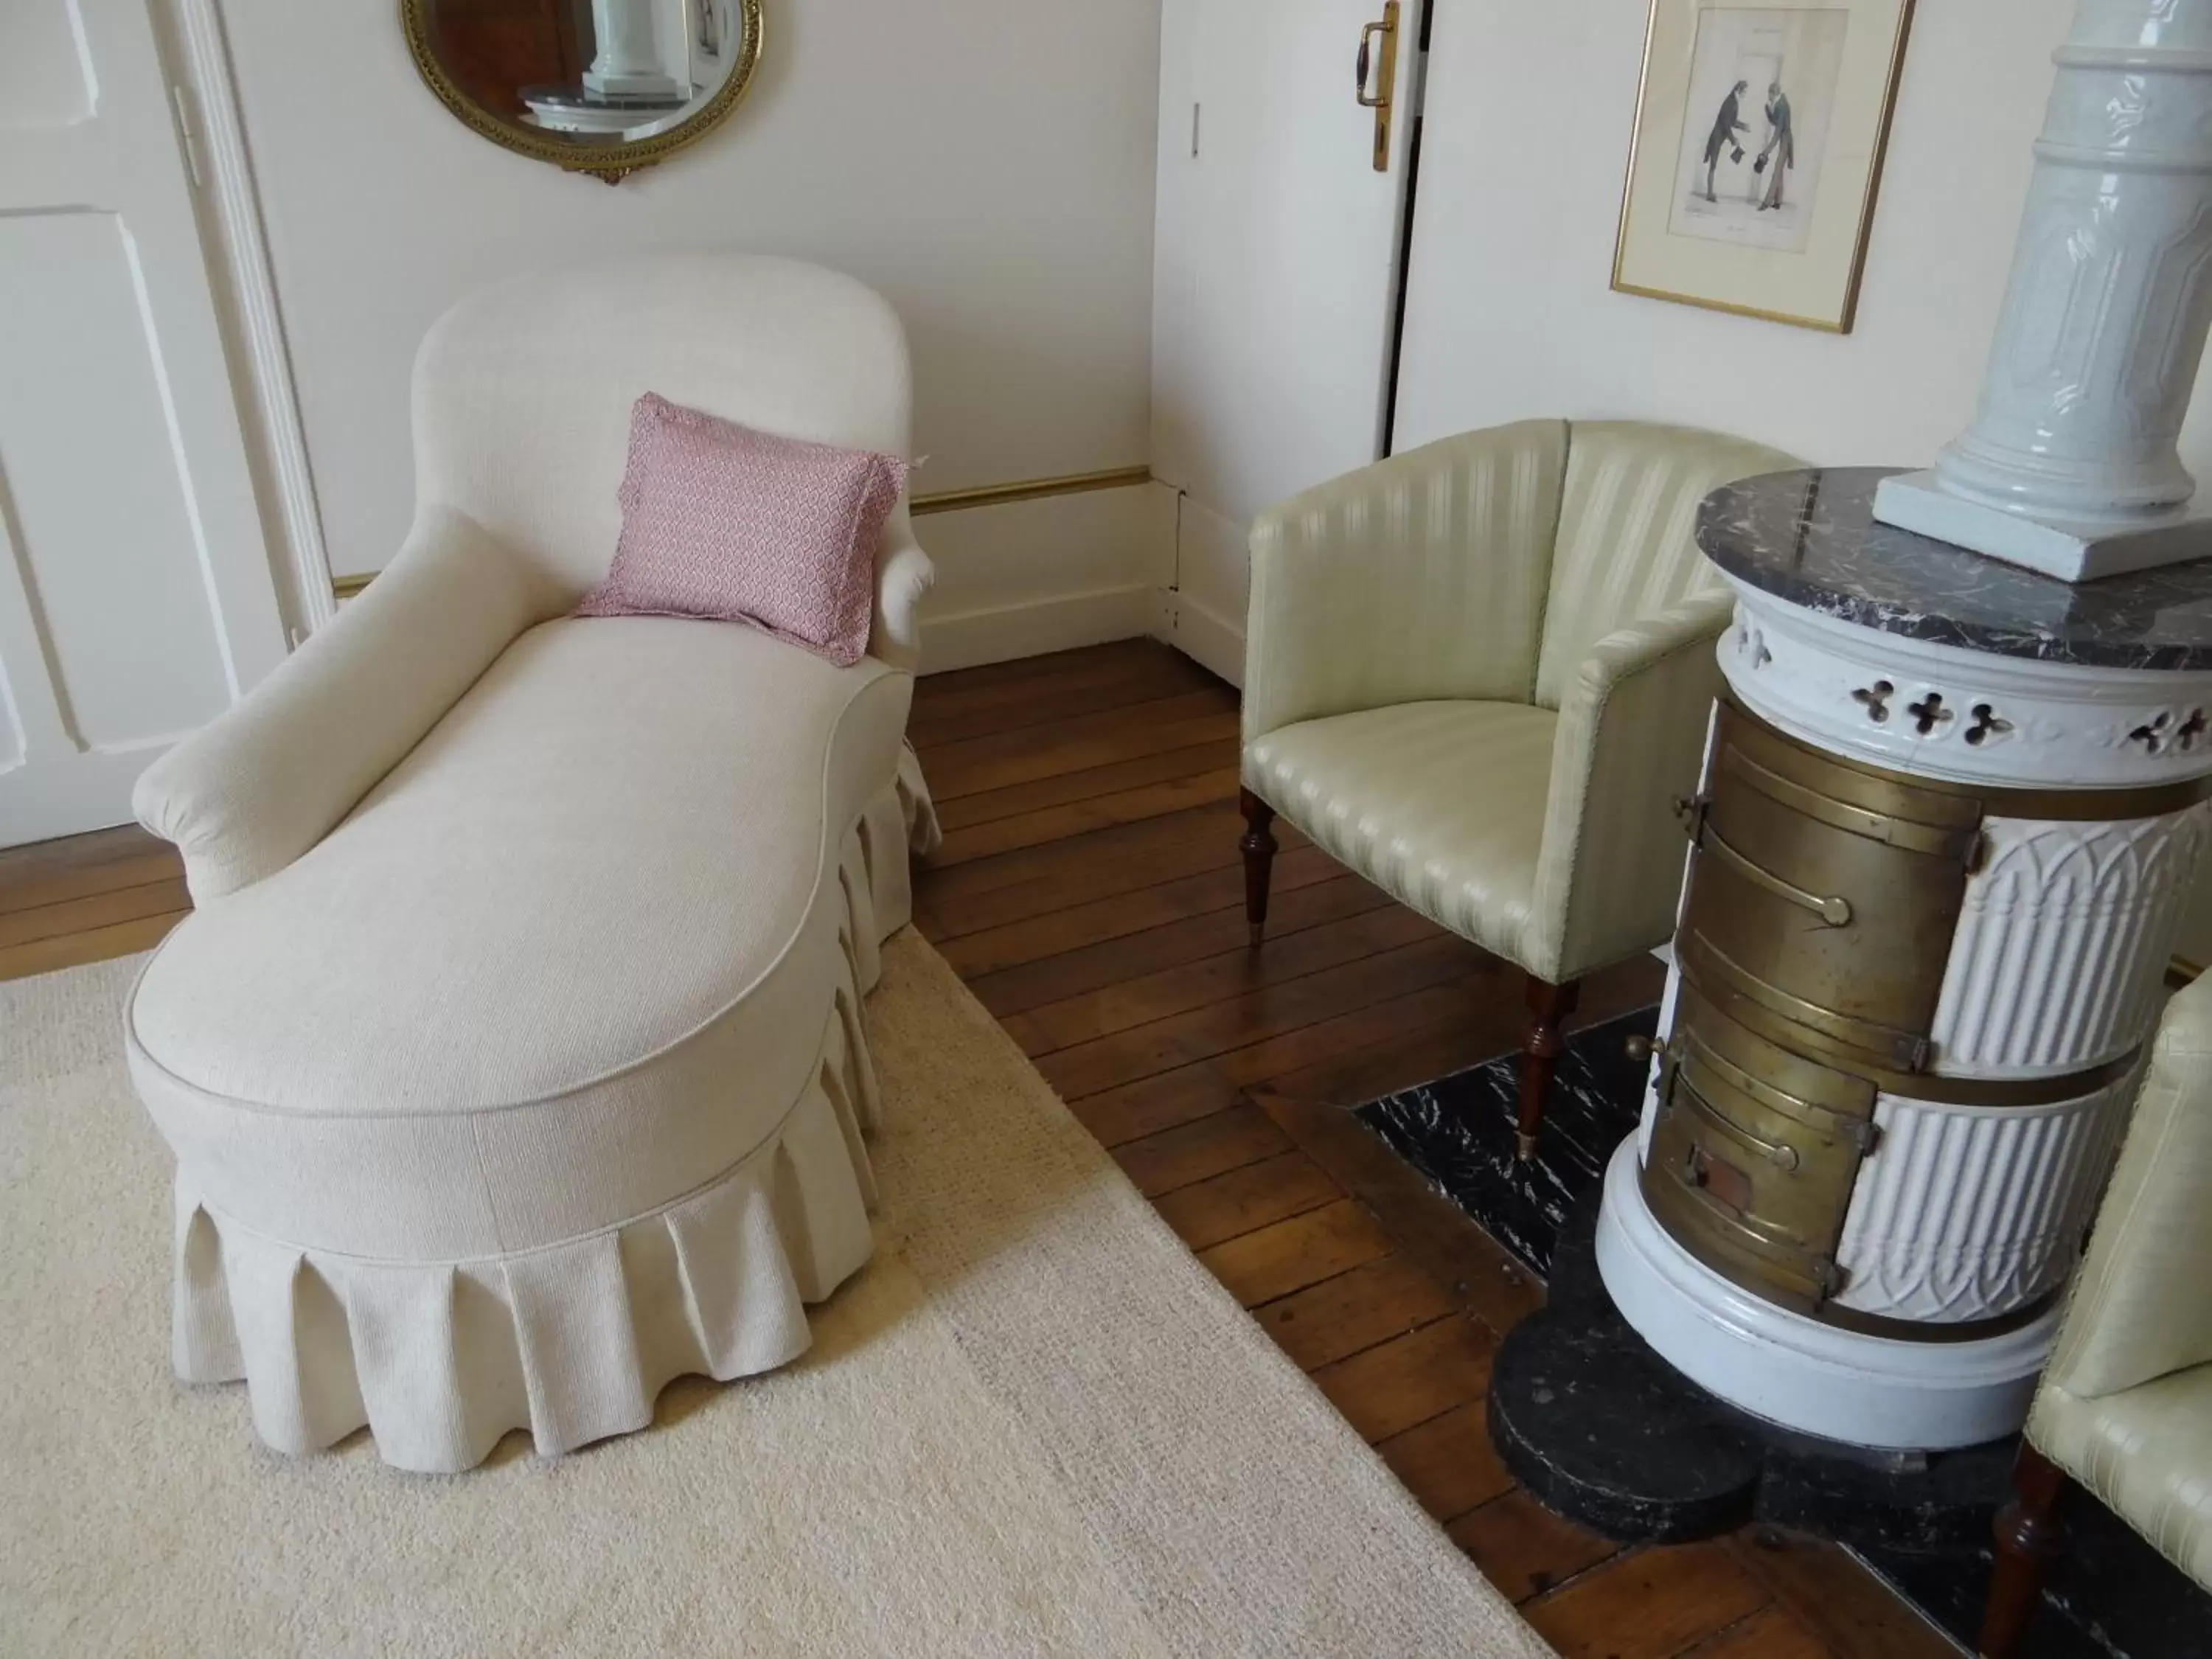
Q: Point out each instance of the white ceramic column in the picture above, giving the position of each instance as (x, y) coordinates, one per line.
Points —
(627, 64)
(2104, 318)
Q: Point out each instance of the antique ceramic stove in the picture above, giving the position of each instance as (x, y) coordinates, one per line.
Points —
(1951, 813)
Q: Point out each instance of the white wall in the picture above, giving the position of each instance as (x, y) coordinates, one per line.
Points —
(989, 167)
(1530, 105)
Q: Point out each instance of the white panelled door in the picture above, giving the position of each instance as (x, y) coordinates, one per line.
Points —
(1276, 270)
(136, 595)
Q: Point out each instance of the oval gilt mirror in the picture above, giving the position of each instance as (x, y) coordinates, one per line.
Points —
(603, 87)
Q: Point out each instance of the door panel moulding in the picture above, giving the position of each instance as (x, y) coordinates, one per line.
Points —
(213, 134)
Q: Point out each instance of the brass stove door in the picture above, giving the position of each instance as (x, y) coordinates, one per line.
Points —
(1753, 1155)
(1824, 894)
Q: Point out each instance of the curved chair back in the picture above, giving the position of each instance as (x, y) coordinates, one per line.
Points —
(523, 392)
(1626, 546)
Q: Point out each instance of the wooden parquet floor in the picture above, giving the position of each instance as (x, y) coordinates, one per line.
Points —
(1089, 891)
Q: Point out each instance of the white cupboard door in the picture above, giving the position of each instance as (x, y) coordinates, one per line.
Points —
(136, 595)
(1277, 272)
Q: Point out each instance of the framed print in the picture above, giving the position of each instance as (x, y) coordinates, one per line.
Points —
(1757, 149)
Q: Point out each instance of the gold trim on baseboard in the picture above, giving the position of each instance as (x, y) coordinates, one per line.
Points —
(1029, 490)
(946, 500)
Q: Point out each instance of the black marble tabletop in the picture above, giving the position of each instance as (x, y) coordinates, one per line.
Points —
(1810, 538)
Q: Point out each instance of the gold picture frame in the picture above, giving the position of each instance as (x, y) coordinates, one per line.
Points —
(1782, 238)
(611, 163)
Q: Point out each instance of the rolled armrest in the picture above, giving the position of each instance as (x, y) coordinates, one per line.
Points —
(903, 575)
(1419, 577)
(2140, 1309)
(250, 792)
(1630, 735)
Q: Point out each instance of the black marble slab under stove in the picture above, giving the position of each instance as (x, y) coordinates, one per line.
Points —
(1603, 1430)
(1810, 538)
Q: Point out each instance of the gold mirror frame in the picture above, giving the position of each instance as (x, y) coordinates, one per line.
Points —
(609, 162)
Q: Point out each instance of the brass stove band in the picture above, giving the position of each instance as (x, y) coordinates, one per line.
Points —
(1817, 927)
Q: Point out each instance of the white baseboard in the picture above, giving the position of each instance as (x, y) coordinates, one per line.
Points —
(1019, 578)
(1210, 640)
(1031, 628)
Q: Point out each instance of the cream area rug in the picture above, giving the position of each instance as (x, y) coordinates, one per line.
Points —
(1033, 1425)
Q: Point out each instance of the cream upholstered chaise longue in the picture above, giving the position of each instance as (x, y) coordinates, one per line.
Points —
(513, 1057)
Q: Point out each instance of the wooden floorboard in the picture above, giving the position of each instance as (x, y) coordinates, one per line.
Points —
(1032, 880)
(1647, 1604)
(1372, 1305)
(1130, 893)
(1159, 1102)
(1403, 1382)
(1770, 1633)
(1251, 1018)
(92, 910)
(1526, 1550)
(991, 806)
(1076, 817)
(1191, 1153)
(945, 713)
(1216, 1209)
(1827, 1590)
(1091, 896)
(1237, 971)
(1048, 752)
(87, 898)
(1448, 1462)
(83, 867)
(1122, 959)
(1004, 696)
(120, 938)
(1286, 1257)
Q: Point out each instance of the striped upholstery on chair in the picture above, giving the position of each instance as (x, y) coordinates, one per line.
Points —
(1631, 734)
(1333, 570)
(1441, 804)
(1481, 695)
(1627, 547)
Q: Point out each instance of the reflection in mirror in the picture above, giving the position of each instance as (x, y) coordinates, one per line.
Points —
(557, 78)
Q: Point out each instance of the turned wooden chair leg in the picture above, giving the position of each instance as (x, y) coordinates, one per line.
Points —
(1548, 1005)
(2030, 1536)
(1259, 847)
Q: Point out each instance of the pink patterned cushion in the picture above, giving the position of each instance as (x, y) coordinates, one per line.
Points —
(723, 522)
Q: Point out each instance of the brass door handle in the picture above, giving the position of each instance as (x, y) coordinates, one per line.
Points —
(1781, 1155)
(1364, 65)
(1824, 1118)
(1835, 911)
(1385, 73)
